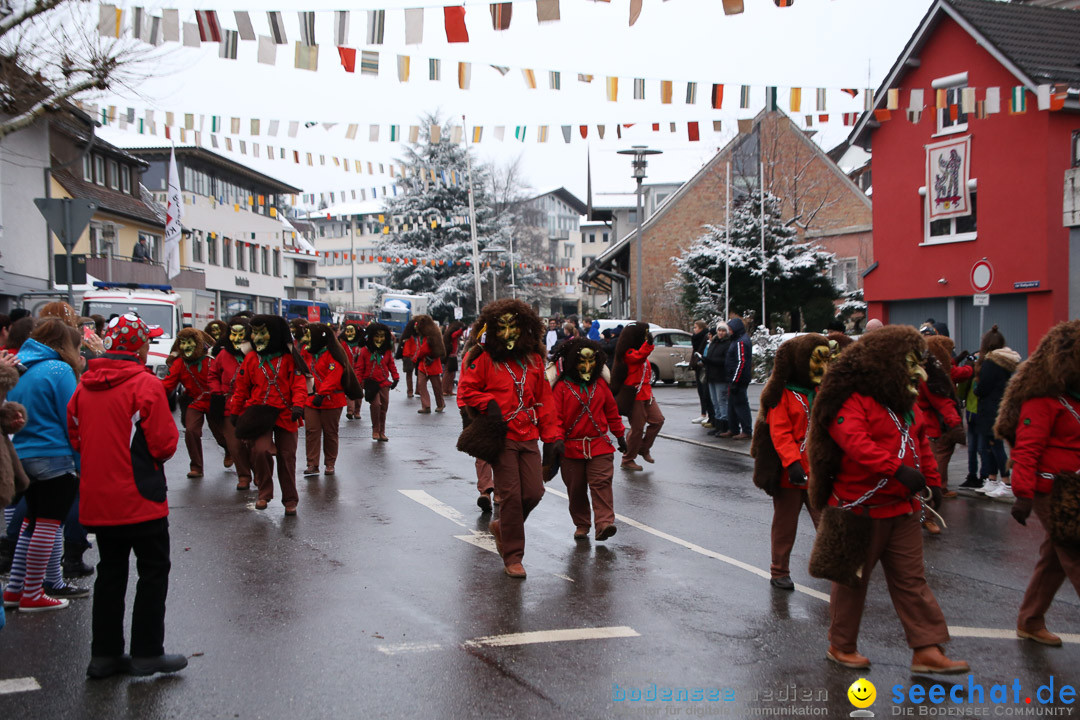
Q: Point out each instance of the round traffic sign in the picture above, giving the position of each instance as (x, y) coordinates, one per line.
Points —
(982, 275)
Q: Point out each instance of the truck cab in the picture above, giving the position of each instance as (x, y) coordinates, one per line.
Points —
(157, 305)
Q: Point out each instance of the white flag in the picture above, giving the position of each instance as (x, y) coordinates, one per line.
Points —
(174, 211)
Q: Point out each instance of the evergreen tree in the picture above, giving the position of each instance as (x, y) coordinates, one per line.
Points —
(796, 273)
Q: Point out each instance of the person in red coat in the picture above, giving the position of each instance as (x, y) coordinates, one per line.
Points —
(485, 477)
(452, 342)
(1040, 417)
(632, 371)
(228, 356)
(587, 414)
(507, 396)
(119, 420)
(352, 339)
(779, 442)
(379, 375)
(406, 350)
(334, 381)
(428, 360)
(192, 370)
(268, 407)
(871, 464)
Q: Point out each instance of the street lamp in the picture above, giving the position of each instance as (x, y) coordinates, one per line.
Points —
(640, 153)
(493, 251)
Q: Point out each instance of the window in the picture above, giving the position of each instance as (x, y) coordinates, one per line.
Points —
(239, 255)
(586, 260)
(114, 175)
(592, 237)
(680, 340)
(99, 170)
(253, 258)
(265, 261)
(605, 237)
(88, 168)
(153, 244)
(125, 179)
(277, 263)
(568, 251)
(211, 250)
(845, 274)
(196, 247)
(226, 253)
(953, 229)
(632, 217)
(950, 119)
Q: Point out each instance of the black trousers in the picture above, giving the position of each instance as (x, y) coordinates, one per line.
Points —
(150, 542)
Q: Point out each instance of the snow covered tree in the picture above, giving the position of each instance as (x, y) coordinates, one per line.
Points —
(796, 273)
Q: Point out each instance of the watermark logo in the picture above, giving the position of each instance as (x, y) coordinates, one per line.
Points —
(862, 695)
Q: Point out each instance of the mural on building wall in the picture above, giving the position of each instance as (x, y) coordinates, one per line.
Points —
(948, 166)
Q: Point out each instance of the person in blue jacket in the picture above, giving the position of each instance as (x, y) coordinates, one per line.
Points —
(739, 371)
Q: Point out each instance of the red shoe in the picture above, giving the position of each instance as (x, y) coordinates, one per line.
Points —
(852, 660)
(11, 599)
(515, 570)
(42, 603)
(493, 528)
(931, 659)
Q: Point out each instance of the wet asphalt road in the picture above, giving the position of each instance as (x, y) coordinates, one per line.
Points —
(380, 598)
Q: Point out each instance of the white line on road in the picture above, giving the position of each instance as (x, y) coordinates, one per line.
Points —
(402, 648)
(564, 577)
(436, 505)
(484, 541)
(17, 685)
(549, 636)
(996, 634)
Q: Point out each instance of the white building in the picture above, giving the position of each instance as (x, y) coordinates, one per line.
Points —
(556, 216)
(346, 236)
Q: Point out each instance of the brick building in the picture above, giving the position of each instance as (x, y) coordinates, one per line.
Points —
(826, 206)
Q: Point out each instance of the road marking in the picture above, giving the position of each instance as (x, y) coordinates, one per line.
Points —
(484, 541)
(996, 634)
(436, 505)
(564, 577)
(737, 450)
(549, 636)
(403, 648)
(17, 685)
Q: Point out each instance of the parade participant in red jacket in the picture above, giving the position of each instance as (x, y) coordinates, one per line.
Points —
(452, 342)
(407, 349)
(378, 375)
(428, 361)
(870, 464)
(509, 402)
(119, 420)
(334, 381)
(938, 402)
(268, 401)
(485, 476)
(632, 371)
(587, 414)
(192, 370)
(1040, 417)
(779, 443)
(352, 340)
(228, 356)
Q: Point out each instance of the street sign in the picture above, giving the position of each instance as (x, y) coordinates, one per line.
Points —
(458, 313)
(982, 299)
(66, 217)
(982, 275)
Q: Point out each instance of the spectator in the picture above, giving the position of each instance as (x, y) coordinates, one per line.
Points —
(60, 310)
(553, 336)
(873, 324)
(717, 378)
(12, 477)
(119, 419)
(18, 314)
(594, 330)
(699, 341)
(739, 371)
(5, 328)
(20, 331)
(141, 253)
(995, 366)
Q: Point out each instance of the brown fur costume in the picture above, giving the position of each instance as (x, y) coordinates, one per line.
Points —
(428, 329)
(13, 479)
(791, 366)
(482, 436)
(203, 343)
(566, 359)
(223, 329)
(875, 367)
(1052, 370)
(322, 336)
(258, 419)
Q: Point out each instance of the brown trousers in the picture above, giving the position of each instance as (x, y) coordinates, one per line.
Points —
(282, 443)
(353, 407)
(645, 416)
(408, 370)
(943, 452)
(519, 484)
(240, 451)
(378, 407)
(193, 424)
(897, 543)
(448, 378)
(787, 504)
(217, 429)
(485, 481)
(583, 476)
(321, 425)
(1054, 565)
(422, 381)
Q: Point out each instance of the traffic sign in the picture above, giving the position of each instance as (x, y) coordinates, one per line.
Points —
(981, 299)
(67, 217)
(982, 275)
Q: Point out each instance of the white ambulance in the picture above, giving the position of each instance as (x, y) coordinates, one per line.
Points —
(157, 305)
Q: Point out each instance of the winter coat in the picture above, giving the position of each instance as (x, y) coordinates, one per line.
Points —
(1047, 441)
(379, 369)
(715, 360)
(994, 373)
(529, 416)
(13, 479)
(119, 420)
(940, 412)
(195, 377)
(639, 370)
(594, 330)
(425, 362)
(739, 368)
(44, 390)
(587, 431)
(871, 444)
(788, 423)
(327, 373)
(274, 381)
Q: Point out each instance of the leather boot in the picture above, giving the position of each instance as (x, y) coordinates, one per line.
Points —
(931, 659)
(72, 561)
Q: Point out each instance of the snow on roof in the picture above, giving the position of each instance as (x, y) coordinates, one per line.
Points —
(356, 207)
(605, 200)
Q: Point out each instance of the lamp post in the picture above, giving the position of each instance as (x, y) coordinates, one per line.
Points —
(639, 163)
(493, 251)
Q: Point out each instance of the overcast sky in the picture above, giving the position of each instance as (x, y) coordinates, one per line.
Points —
(815, 43)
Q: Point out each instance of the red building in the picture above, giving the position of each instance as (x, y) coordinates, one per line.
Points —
(1017, 163)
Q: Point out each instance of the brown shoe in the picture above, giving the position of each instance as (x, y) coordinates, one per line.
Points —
(728, 434)
(581, 533)
(194, 474)
(515, 570)
(1043, 637)
(374, 436)
(948, 493)
(743, 436)
(383, 438)
(605, 532)
(647, 458)
(440, 408)
(243, 486)
(931, 659)
(493, 528)
(630, 465)
(852, 660)
(260, 504)
(329, 470)
(290, 509)
(931, 527)
(228, 461)
(423, 411)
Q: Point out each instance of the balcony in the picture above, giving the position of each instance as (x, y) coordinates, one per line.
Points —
(301, 281)
(122, 269)
(558, 235)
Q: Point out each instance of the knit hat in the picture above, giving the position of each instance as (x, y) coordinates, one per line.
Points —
(128, 333)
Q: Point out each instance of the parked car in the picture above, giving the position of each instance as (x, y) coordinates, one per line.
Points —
(672, 347)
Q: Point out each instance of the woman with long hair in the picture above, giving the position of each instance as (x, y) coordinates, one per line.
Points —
(53, 364)
(995, 366)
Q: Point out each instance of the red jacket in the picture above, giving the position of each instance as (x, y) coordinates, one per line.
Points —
(327, 373)
(425, 363)
(455, 341)
(639, 370)
(408, 349)
(960, 373)
(587, 431)
(870, 442)
(195, 377)
(270, 381)
(1047, 441)
(940, 412)
(788, 422)
(380, 370)
(223, 374)
(119, 420)
(529, 415)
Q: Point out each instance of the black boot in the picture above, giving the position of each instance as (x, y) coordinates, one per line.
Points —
(72, 561)
(7, 553)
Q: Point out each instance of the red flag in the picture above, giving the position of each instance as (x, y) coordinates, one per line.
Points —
(209, 29)
(584, 131)
(717, 96)
(851, 91)
(882, 114)
(455, 24)
(348, 58)
(656, 127)
(692, 131)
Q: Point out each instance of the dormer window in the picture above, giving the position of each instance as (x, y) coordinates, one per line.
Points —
(951, 118)
(125, 180)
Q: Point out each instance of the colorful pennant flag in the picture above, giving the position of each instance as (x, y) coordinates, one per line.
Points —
(530, 78)
(243, 25)
(277, 27)
(547, 11)
(795, 99)
(454, 20)
(376, 26)
(665, 92)
(348, 58)
(501, 14)
(403, 68)
(744, 97)
(307, 28)
(209, 27)
(464, 74)
(691, 93)
(613, 89)
(414, 26)
(555, 80)
(434, 69)
(820, 100)
(1018, 100)
(369, 62)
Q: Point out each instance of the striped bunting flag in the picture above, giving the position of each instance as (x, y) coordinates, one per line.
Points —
(307, 28)
(691, 93)
(477, 133)
(555, 80)
(464, 75)
(542, 134)
(1018, 100)
(277, 27)
(434, 69)
(639, 88)
(369, 62)
(770, 99)
(209, 27)
(530, 78)
(403, 62)
(229, 41)
(744, 97)
(613, 89)
(718, 96)
(376, 26)
(341, 27)
(501, 14)
(820, 100)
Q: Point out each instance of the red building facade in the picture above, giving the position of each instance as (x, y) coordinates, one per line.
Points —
(1017, 167)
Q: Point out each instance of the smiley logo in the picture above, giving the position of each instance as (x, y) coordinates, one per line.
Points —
(862, 693)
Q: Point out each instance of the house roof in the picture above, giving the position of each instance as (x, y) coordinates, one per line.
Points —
(1038, 45)
(81, 131)
(346, 209)
(567, 197)
(108, 200)
(200, 153)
